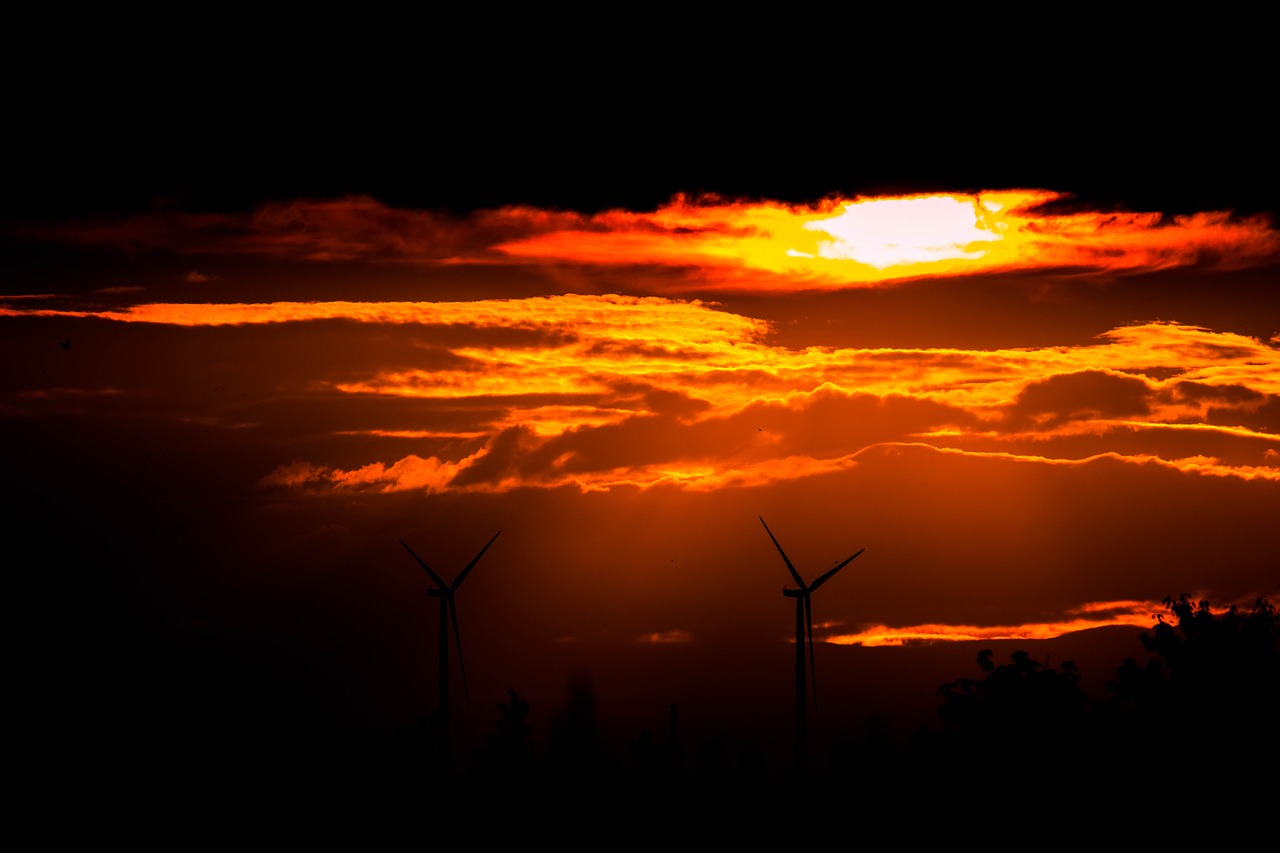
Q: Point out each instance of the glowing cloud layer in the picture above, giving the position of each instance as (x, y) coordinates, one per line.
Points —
(723, 245)
(641, 391)
(1108, 614)
(648, 393)
(878, 241)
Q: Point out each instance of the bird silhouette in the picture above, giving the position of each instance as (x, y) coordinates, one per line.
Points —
(65, 344)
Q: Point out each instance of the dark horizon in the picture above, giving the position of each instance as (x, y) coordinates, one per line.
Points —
(286, 717)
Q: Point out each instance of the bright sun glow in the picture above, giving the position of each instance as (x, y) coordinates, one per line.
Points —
(888, 232)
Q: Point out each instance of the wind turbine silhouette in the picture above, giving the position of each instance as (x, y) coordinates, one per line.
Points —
(449, 614)
(804, 636)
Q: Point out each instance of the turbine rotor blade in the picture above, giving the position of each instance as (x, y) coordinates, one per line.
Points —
(434, 577)
(820, 581)
(794, 574)
(457, 643)
(458, 580)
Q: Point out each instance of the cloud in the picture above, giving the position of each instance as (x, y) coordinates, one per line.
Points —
(707, 243)
(409, 473)
(1088, 394)
(875, 242)
(1086, 617)
(597, 392)
(662, 638)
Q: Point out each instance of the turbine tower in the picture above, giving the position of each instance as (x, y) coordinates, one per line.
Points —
(804, 637)
(448, 614)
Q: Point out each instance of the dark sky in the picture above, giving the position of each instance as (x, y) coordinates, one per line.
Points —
(120, 161)
(452, 115)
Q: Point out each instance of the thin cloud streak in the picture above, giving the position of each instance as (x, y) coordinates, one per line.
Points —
(1193, 464)
(609, 316)
(713, 244)
(1087, 617)
(665, 638)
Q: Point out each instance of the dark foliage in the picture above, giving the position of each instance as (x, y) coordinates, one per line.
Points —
(1021, 715)
(1015, 700)
(1203, 705)
(1215, 679)
(510, 748)
(1191, 726)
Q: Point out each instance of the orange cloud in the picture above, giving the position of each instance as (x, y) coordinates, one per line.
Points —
(884, 635)
(869, 242)
(662, 638)
(609, 391)
(1104, 614)
(1194, 464)
(610, 318)
(831, 244)
(692, 347)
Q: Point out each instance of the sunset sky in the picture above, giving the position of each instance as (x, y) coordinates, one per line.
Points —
(1041, 399)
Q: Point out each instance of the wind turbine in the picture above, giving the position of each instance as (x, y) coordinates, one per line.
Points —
(448, 614)
(804, 636)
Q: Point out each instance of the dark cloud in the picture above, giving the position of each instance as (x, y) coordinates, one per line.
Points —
(503, 457)
(645, 397)
(1050, 402)
(1219, 396)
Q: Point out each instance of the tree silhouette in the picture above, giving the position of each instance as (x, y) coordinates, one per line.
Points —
(1211, 674)
(1014, 699)
(1021, 714)
(658, 762)
(513, 742)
